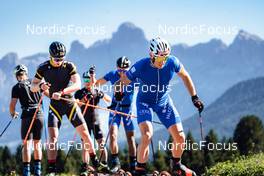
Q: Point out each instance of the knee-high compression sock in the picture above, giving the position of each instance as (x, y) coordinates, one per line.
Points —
(26, 169)
(37, 168)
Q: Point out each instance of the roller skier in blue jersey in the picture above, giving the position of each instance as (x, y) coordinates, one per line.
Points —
(154, 74)
(120, 103)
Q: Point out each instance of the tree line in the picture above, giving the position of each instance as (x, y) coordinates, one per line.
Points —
(248, 138)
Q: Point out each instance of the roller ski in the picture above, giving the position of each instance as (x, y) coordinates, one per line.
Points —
(121, 172)
(87, 170)
(162, 173)
(115, 168)
(51, 174)
(100, 167)
(51, 171)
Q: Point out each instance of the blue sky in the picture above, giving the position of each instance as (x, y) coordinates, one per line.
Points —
(155, 17)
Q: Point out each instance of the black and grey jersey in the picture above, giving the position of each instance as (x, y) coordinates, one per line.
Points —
(58, 77)
(27, 99)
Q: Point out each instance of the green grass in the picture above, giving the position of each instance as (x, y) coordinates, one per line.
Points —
(243, 166)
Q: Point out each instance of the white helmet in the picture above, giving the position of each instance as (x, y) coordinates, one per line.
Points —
(159, 46)
(19, 69)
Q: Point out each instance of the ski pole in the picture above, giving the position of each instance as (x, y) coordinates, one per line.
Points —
(98, 107)
(108, 134)
(33, 119)
(201, 125)
(152, 148)
(6, 127)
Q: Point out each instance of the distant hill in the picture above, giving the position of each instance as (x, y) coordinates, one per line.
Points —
(244, 98)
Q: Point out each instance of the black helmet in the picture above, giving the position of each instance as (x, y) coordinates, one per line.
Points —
(86, 75)
(57, 49)
(123, 62)
(19, 69)
(92, 70)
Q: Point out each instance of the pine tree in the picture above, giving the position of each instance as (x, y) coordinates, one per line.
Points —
(249, 135)
(192, 156)
(160, 161)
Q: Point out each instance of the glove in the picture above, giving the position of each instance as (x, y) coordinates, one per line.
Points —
(57, 95)
(101, 94)
(197, 103)
(44, 86)
(92, 70)
(89, 96)
(14, 115)
(119, 96)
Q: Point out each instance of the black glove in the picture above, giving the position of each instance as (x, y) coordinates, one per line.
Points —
(89, 96)
(92, 70)
(100, 94)
(197, 103)
(119, 96)
(112, 106)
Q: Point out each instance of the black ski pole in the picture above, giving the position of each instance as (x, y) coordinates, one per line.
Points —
(6, 127)
(201, 125)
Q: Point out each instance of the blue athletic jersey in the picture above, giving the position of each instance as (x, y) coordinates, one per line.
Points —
(113, 76)
(154, 82)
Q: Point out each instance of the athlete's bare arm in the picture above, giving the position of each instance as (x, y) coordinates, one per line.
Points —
(12, 106)
(107, 98)
(35, 85)
(184, 75)
(76, 84)
(100, 82)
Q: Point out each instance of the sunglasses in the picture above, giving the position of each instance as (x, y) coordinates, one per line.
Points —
(59, 59)
(121, 71)
(161, 58)
(86, 80)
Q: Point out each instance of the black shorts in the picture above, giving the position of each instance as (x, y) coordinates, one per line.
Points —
(94, 126)
(36, 130)
(59, 108)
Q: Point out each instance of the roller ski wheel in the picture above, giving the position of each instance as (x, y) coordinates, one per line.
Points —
(90, 171)
(164, 173)
(155, 173)
(129, 173)
(121, 172)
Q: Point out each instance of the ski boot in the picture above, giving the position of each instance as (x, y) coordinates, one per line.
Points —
(115, 168)
(140, 171)
(102, 168)
(87, 170)
(181, 170)
(51, 171)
